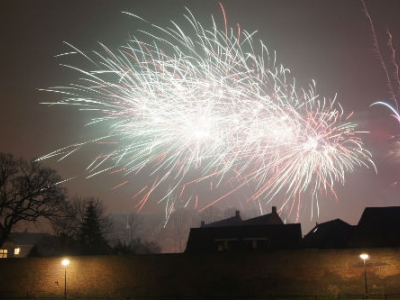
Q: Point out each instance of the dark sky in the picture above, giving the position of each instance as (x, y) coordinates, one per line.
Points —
(328, 41)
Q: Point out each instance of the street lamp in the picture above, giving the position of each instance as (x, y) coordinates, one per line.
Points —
(365, 256)
(65, 263)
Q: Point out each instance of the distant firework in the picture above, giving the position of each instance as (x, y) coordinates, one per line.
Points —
(390, 69)
(183, 101)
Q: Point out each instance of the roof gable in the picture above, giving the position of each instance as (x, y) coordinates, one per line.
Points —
(268, 219)
(27, 238)
(232, 221)
(378, 227)
(332, 234)
(380, 216)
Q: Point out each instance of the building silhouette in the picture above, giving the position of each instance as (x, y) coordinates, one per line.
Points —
(234, 234)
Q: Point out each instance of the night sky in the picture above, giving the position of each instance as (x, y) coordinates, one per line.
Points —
(328, 41)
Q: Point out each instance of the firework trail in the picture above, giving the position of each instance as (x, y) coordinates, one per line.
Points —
(215, 103)
(391, 71)
(389, 78)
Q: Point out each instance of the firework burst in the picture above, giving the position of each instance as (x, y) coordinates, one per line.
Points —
(214, 102)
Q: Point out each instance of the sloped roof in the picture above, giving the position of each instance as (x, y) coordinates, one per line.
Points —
(268, 219)
(27, 238)
(332, 234)
(380, 216)
(236, 220)
(378, 227)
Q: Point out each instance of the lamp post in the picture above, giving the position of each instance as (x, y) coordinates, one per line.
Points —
(65, 263)
(364, 257)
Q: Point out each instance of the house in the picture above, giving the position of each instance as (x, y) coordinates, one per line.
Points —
(20, 244)
(328, 235)
(235, 234)
(378, 227)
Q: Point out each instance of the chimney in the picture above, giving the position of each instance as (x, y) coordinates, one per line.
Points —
(237, 214)
(202, 223)
(274, 210)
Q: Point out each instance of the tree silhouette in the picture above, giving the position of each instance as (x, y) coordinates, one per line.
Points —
(91, 238)
(28, 191)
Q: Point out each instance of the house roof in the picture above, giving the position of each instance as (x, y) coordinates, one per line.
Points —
(380, 216)
(281, 236)
(268, 227)
(332, 234)
(26, 238)
(268, 219)
(378, 227)
(236, 220)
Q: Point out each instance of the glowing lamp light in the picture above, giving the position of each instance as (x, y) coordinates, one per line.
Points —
(364, 256)
(65, 262)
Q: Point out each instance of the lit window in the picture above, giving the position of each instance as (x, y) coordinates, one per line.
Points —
(3, 253)
(16, 251)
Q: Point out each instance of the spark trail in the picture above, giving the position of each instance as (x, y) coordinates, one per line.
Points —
(213, 102)
(390, 68)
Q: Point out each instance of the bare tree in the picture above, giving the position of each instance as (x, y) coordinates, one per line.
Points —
(28, 191)
(126, 228)
(211, 214)
(152, 247)
(229, 212)
(179, 226)
(133, 224)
